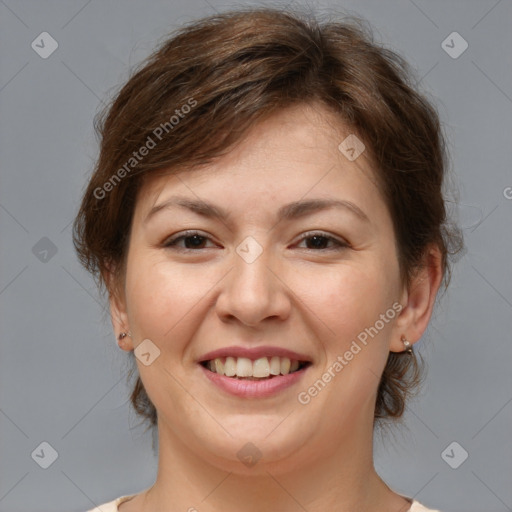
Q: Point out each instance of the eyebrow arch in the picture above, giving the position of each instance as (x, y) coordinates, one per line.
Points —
(287, 212)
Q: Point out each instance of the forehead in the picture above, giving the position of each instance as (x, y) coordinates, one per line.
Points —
(291, 154)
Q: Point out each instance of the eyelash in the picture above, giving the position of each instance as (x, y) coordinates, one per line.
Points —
(171, 243)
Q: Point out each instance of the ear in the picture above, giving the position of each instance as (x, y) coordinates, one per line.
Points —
(117, 302)
(418, 300)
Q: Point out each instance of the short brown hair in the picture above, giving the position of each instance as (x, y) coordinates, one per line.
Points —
(236, 68)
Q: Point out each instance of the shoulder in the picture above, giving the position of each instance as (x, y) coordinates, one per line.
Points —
(418, 507)
(112, 506)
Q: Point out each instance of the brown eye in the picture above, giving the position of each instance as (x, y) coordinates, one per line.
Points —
(320, 241)
(192, 240)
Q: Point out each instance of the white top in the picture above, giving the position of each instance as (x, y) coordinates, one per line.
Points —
(111, 506)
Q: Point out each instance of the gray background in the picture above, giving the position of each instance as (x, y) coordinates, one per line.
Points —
(62, 377)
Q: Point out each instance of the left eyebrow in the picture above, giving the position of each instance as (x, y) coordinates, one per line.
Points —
(287, 212)
(302, 208)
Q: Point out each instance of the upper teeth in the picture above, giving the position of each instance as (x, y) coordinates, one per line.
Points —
(244, 367)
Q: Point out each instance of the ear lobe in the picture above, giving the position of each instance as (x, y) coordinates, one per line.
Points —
(118, 314)
(117, 302)
(419, 300)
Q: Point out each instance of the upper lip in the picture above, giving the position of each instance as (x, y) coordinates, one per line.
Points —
(254, 353)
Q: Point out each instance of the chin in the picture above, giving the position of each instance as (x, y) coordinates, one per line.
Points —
(256, 448)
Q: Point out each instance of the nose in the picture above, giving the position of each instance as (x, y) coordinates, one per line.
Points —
(254, 292)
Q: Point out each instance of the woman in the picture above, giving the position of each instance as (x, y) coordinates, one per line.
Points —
(266, 215)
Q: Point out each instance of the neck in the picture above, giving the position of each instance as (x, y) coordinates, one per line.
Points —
(342, 479)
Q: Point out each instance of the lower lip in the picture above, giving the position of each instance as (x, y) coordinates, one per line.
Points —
(254, 388)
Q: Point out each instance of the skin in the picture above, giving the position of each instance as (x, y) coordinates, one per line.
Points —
(312, 300)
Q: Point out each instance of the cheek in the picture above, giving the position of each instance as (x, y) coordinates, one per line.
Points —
(162, 300)
(161, 295)
(351, 298)
(346, 305)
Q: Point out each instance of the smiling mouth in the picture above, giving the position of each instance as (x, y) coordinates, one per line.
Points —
(263, 368)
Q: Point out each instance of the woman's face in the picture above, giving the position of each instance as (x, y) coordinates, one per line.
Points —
(274, 276)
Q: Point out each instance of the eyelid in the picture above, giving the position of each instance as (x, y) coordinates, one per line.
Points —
(340, 242)
(169, 241)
